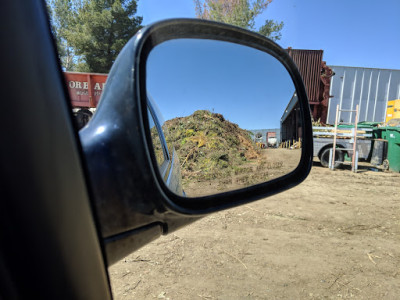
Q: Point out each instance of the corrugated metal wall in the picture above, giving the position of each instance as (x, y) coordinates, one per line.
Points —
(369, 88)
(309, 65)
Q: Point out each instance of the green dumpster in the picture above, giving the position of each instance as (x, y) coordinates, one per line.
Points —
(392, 135)
(377, 133)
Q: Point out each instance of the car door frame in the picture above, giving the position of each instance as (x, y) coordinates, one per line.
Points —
(49, 236)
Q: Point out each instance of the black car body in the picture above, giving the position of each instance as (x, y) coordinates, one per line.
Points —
(72, 205)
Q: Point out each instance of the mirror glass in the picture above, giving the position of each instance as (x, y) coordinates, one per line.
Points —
(226, 116)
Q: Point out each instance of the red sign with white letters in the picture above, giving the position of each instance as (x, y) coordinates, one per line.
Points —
(85, 89)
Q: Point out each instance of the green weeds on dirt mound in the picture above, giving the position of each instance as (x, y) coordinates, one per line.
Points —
(209, 146)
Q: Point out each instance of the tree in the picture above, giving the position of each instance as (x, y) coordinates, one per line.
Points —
(60, 13)
(240, 13)
(272, 30)
(94, 30)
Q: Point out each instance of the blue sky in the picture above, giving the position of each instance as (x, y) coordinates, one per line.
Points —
(351, 33)
(249, 87)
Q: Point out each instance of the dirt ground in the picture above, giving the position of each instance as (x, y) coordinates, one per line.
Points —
(337, 235)
(272, 163)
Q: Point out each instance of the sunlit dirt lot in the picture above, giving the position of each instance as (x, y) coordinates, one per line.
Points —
(337, 235)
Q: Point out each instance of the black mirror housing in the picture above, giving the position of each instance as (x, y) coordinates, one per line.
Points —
(130, 195)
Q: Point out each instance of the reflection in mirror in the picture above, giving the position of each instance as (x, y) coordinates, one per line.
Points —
(232, 114)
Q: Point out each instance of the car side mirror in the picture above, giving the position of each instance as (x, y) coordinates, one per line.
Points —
(234, 105)
(237, 129)
(231, 111)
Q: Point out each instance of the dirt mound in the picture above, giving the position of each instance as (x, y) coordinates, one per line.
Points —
(209, 146)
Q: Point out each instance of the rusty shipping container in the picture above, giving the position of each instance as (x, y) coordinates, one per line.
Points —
(271, 134)
(85, 89)
(316, 76)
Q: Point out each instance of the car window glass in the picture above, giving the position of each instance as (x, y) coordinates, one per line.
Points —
(155, 138)
(168, 139)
